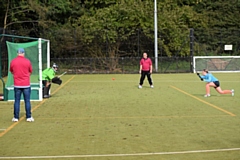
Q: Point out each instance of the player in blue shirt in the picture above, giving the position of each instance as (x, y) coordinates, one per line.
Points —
(212, 82)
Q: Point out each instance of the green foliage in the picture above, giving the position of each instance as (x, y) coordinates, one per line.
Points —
(220, 26)
(112, 25)
(174, 22)
(219, 13)
(114, 22)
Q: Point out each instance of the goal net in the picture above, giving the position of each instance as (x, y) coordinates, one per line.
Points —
(37, 52)
(216, 63)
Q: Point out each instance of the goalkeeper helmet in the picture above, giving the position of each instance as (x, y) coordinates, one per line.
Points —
(55, 67)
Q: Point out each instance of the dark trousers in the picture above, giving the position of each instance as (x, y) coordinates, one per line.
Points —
(143, 75)
(45, 89)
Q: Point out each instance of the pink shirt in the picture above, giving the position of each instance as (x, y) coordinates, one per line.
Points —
(146, 63)
(21, 69)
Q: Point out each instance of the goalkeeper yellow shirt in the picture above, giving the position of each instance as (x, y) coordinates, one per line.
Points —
(48, 74)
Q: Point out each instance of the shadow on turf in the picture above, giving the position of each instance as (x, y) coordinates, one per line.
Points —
(143, 87)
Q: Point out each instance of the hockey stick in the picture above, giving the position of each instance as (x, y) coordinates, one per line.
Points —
(62, 74)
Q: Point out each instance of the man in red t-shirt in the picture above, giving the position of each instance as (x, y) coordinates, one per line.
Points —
(21, 69)
(145, 69)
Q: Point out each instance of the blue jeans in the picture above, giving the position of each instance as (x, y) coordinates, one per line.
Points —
(26, 95)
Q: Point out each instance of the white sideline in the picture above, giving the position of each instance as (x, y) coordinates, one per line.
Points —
(124, 155)
(2, 129)
(116, 81)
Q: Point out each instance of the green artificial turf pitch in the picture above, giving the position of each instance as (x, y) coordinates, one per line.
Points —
(106, 116)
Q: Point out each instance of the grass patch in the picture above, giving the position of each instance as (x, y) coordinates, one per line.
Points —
(96, 115)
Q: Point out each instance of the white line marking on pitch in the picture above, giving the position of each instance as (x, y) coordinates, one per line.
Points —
(197, 81)
(124, 155)
(2, 129)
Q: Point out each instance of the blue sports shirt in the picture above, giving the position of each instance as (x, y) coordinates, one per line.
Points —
(209, 78)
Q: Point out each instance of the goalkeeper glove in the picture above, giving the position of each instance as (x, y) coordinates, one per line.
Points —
(57, 80)
(199, 76)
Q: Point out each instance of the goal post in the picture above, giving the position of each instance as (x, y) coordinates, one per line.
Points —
(37, 50)
(224, 64)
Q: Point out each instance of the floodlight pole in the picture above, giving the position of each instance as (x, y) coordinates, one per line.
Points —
(155, 35)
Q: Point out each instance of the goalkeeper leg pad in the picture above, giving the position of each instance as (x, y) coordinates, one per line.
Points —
(46, 92)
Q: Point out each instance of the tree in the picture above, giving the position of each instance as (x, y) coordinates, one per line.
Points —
(219, 13)
(174, 21)
(112, 25)
(18, 14)
(221, 25)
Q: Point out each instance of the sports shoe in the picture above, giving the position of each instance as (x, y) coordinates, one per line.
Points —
(232, 92)
(46, 96)
(30, 119)
(139, 86)
(15, 119)
(151, 86)
(207, 95)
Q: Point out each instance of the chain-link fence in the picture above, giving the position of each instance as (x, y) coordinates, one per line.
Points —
(120, 65)
(69, 43)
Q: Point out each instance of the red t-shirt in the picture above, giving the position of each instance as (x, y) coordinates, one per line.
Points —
(21, 69)
(146, 63)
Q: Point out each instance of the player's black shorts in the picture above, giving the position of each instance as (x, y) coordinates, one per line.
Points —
(217, 83)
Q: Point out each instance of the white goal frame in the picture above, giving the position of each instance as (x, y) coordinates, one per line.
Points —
(38, 94)
(40, 63)
(214, 57)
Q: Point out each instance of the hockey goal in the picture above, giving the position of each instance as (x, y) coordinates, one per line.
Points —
(216, 63)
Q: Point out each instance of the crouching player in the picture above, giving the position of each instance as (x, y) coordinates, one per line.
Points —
(48, 77)
(212, 82)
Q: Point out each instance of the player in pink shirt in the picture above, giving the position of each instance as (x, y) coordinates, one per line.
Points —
(145, 70)
(21, 69)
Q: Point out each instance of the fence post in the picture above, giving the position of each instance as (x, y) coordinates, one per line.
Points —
(0, 57)
(122, 65)
(191, 48)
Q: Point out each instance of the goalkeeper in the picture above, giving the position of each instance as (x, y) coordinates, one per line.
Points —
(212, 82)
(48, 77)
